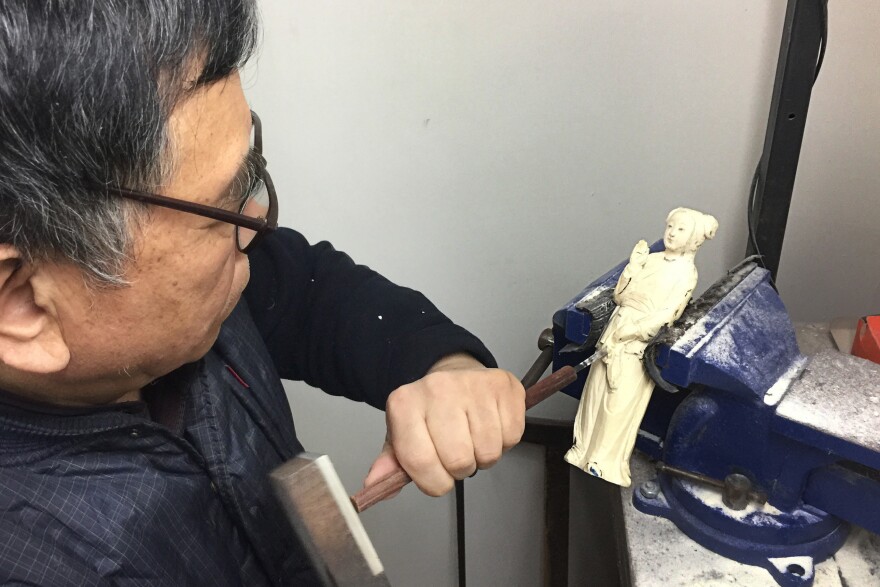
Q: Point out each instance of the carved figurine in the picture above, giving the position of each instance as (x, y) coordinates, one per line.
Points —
(652, 291)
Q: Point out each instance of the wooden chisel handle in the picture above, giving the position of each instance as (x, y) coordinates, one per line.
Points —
(388, 486)
(546, 387)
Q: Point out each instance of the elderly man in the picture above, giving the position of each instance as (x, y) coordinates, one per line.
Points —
(141, 405)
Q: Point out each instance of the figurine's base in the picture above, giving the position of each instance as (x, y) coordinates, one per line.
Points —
(786, 544)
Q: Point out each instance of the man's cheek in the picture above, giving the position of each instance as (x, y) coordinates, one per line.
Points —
(240, 276)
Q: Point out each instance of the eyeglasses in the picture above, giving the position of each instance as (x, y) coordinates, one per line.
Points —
(258, 214)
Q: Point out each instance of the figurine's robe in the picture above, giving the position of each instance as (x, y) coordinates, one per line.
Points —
(618, 388)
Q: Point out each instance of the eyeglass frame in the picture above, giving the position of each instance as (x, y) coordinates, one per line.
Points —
(261, 226)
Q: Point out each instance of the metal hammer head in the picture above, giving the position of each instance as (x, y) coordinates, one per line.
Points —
(328, 526)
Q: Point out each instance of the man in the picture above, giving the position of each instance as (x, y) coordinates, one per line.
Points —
(141, 405)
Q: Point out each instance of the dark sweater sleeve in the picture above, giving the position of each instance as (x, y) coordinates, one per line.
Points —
(342, 327)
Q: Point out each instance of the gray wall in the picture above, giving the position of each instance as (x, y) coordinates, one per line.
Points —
(500, 154)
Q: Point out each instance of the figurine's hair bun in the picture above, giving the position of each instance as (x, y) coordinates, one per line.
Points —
(705, 226)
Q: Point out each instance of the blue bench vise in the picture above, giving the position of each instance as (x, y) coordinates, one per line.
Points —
(764, 455)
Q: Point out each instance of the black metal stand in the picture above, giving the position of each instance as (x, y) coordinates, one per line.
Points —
(803, 39)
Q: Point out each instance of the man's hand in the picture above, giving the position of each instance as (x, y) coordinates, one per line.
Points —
(458, 418)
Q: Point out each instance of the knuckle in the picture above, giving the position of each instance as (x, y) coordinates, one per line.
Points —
(513, 435)
(436, 384)
(520, 415)
(504, 384)
(518, 388)
(496, 379)
(461, 465)
(402, 400)
(396, 400)
(439, 378)
(487, 458)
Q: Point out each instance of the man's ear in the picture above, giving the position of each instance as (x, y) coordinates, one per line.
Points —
(30, 334)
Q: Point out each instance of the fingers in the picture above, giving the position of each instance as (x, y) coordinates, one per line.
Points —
(513, 414)
(497, 418)
(450, 433)
(413, 445)
(485, 429)
(450, 423)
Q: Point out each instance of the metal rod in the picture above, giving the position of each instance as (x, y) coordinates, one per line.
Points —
(757, 496)
(545, 345)
(459, 532)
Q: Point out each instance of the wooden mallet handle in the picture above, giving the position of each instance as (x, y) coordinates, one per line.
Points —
(391, 484)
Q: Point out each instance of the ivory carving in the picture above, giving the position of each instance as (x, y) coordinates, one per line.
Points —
(652, 291)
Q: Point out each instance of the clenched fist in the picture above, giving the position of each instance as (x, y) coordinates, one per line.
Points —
(458, 418)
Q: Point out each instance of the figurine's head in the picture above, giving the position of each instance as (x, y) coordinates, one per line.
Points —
(687, 229)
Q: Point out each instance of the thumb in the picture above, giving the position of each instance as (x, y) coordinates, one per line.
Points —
(384, 465)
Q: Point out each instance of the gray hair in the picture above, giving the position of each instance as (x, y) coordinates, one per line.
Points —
(86, 88)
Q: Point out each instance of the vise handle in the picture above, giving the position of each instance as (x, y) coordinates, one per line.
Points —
(736, 489)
